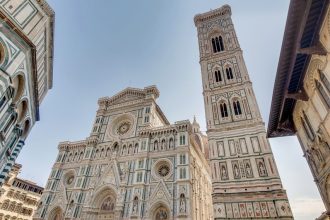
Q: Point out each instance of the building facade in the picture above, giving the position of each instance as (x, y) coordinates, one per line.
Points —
(301, 97)
(246, 183)
(26, 63)
(134, 165)
(19, 198)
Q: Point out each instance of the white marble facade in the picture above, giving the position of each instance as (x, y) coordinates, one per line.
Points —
(246, 183)
(134, 165)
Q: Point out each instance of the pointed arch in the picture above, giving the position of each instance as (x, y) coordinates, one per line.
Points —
(56, 214)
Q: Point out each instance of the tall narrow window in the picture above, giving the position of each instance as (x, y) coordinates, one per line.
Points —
(229, 73)
(217, 76)
(323, 93)
(325, 81)
(183, 173)
(182, 139)
(139, 177)
(213, 46)
(237, 108)
(221, 44)
(307, 127)
(217, 44)
(182, 159)
(223, 110)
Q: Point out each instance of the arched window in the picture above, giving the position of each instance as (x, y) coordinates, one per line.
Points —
(217, 44)
(307, 127)
(229, 73)
(81, 155)
(130, 149)
(182, 139)
(217, 75)
(107, 153)
(156, 145)
(213, 46)
(115, 147)
(237, 108)
(135, 205)
(171, 143)
(123, 150)
(136, 148)
(325, 81)
(223, 110)
(323, 93)
(163, 145)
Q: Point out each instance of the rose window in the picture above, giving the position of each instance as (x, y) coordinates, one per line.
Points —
(123, 128)
(163, 170)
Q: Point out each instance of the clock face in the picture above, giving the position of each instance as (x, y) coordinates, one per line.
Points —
(123, 128)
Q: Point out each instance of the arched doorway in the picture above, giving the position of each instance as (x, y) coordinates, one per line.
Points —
(161, 213)
(56, 214)
(104, 204)
(107, 208)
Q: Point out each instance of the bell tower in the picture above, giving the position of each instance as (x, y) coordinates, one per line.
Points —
(245, 180)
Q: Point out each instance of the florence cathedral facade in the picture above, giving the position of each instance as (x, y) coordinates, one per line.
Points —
(136, 165)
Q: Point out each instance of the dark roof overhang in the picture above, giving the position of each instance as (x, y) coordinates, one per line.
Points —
(301, 33)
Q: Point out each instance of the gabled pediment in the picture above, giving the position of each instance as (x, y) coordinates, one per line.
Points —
(160, 193)
(130, 94)
(110, 175)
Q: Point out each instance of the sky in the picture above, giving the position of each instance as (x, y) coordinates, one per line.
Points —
(104, 46)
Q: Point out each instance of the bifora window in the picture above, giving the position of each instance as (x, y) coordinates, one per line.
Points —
(182, 139)
(139, 177)
(217, 75)
(217, 44)
(223, 110)
(229, 73)
(183, 173)
(182, 159)
(237, 107)
(325, 96)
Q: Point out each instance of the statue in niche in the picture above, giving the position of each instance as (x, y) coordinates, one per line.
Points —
(135, 205)
(262, 169)
(70, 209)
(236, 171)
(182, 207)
(224, 172)
(238, 147)
(248, 170)
(123, 172)
(310, 158)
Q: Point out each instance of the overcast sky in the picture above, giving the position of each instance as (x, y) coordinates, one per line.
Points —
(103, 46)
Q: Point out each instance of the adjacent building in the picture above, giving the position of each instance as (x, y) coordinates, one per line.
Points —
(246, 183)
(134, 165)
(26, 65)
(18, 198)
(301, 96)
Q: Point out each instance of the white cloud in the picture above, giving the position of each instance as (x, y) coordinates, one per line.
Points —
(307, 208)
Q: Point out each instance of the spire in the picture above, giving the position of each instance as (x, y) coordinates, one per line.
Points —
(195, 126)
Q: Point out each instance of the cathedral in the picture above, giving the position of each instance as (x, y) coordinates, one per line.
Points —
(137, 165)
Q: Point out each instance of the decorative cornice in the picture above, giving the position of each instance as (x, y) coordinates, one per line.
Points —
(222, 11)
(67, 145)
(143, 93)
